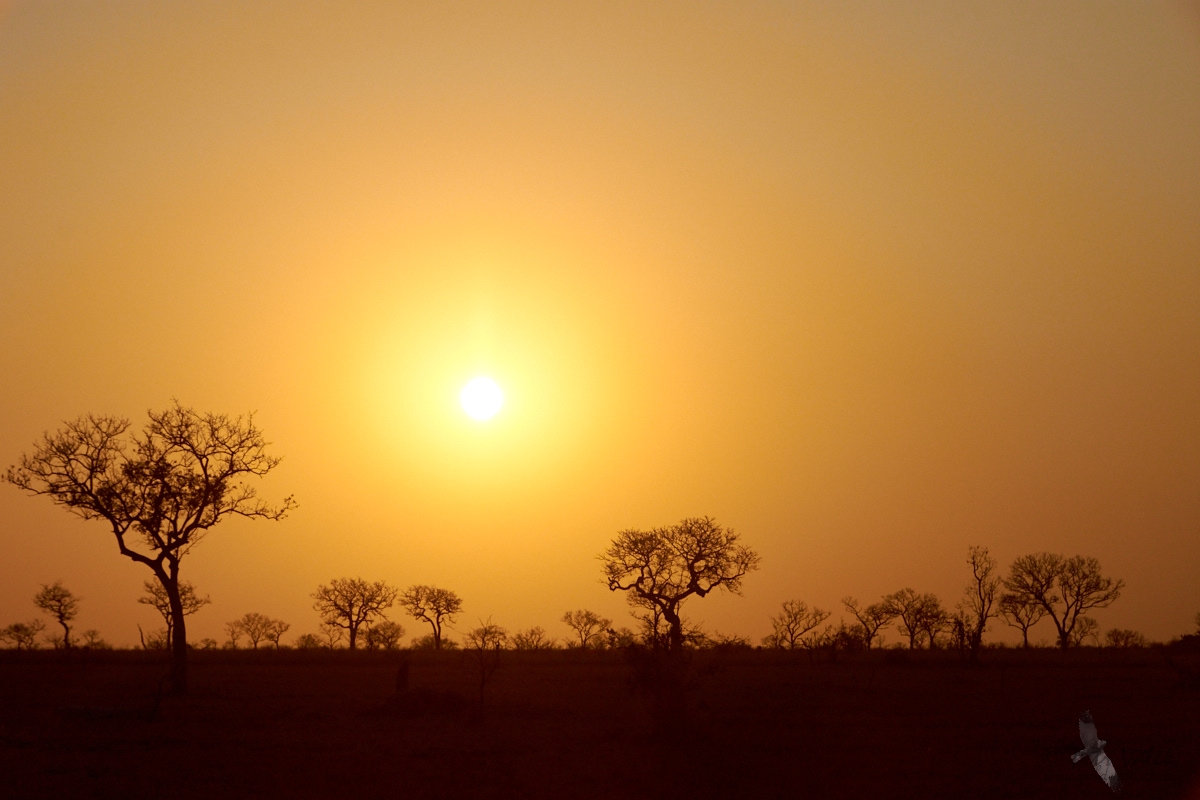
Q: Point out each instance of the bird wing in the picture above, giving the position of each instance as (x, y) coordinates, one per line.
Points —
(1087, 730)
(1106, 770)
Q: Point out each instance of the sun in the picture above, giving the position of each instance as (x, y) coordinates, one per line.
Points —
(481, 398)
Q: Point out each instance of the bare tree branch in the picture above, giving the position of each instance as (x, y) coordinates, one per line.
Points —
(350, 603)
(1063, 587)
(792, 623)
(160, 490)
(432, 605)
(662, 567)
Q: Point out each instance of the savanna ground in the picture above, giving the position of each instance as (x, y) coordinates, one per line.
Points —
(568, 724)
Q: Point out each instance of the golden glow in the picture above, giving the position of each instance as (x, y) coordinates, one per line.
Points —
(943, 261)
(481, 398)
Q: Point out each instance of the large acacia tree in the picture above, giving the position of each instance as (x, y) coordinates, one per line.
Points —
(1064, 588)
(433, 605)
(159, 490)
(59, 602)
(350, 603)
(662, 567)
(870, 619)
(917, 613)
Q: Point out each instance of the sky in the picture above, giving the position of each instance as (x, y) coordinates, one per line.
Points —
(868, 284)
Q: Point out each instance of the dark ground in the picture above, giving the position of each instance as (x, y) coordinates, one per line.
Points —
(566, 724)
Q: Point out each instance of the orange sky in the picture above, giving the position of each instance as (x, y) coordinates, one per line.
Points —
(868, 285)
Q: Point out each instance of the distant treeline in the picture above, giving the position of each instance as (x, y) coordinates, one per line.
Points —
(160, 490)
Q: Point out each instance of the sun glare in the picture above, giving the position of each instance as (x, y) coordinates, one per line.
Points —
(481, 398)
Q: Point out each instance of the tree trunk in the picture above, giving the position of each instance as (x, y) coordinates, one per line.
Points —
(66, 635)
(353, 635)
(675, 634)
(977, 640)
(178, 639)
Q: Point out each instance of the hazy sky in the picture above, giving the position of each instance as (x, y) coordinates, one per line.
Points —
(867, 283)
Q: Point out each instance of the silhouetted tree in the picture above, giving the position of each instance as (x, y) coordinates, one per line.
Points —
(655, 631)
(721, 641)
(981, 597)
(233, 634)
(427, 642)
(1086, 628)
(619, 638)
(157, 640)
(871, 618)
(259, 628)
(588, 626)
(23, 635)
(92, 641)
(276, 631)
(433, 605)
(960, 628)
(792, 623)
(1047, 580)
(1197, 621)
(331, 635)
(383, 635)
(350, 603)
(934, 619)
(534, 638)
(663, 567)
(1019, 613)
(1117, 637)
(917, 612)
(58, 602)
(153, 594)
(483, 646)
(840, 638)
(159, 491)
(308, 641)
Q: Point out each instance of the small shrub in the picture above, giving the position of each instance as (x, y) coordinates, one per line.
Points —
(426, 643)
(533, 639)
(1118, 637)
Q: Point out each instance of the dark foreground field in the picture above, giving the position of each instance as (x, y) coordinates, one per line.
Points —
(567, 725)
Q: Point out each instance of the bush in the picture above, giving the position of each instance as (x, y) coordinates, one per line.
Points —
(534, 638)
(426, 643)
(91, 641)
(384, 635)
(309, 641)
(23, 635)
(1188, 643)
(1118, 637)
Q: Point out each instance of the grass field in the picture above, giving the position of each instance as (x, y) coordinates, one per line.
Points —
(568, 724)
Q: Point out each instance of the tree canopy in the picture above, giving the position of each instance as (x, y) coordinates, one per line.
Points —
(1064, 588)
(432, 605)
(159, 490)
(350, 603)
(59, 602)
(662, 567)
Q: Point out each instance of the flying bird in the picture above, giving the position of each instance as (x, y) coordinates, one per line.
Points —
(1094, 749)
